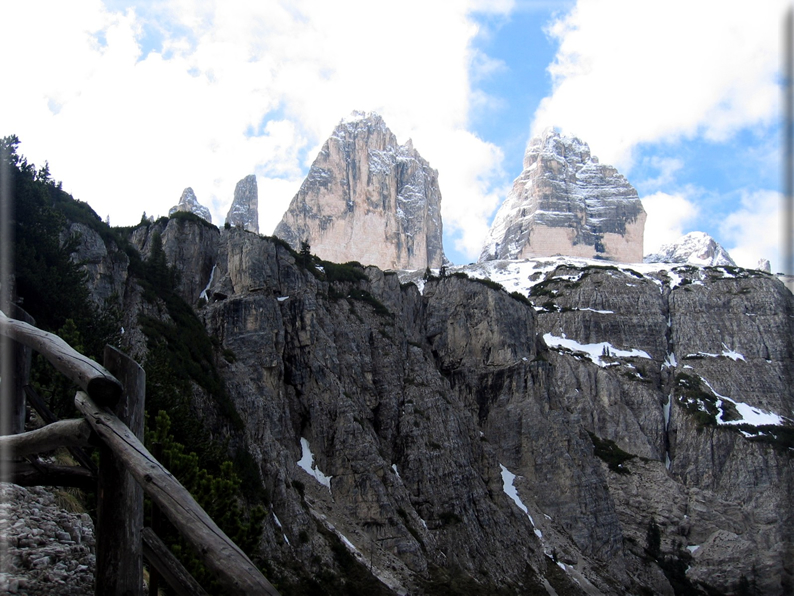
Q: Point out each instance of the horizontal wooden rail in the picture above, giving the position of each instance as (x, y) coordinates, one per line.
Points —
(93, 378)
(66, 433)
(41, 474)
(37, 403)
(230, 565)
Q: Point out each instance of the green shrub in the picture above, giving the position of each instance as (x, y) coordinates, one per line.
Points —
(779, 437)
(701, 405)
(610, 453)
(192, 218)
(346, 272)
(217, 494)
(518, 296)
(488, 283)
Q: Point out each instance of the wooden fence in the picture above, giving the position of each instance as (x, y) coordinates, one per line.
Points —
(112, 402)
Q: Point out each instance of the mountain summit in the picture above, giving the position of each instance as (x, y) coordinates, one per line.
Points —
(695, 248)
(369, 199)
(189, 203)
(566, 203)
(244, 212)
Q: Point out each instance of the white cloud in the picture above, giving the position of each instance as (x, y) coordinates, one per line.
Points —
(667, 217)
(469, 175)
(753, 232)
(632, 72)
(130, 107)
(667, 168)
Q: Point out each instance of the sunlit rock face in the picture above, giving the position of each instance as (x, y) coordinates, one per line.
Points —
(567, 203)
(695, 248)
(368, 199)
(189, 203)
(244, 212)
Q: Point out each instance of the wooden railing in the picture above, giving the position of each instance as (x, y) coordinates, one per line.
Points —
(112, 402)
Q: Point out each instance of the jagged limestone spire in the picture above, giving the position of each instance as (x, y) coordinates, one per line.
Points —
(368, 199)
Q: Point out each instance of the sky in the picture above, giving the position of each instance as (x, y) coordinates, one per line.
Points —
(131, 102)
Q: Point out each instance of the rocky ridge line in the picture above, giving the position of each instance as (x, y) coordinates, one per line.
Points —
(695, 248)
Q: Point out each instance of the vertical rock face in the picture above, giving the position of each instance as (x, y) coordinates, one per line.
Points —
(566, 203)
(244, 212)
(188, 202)
(695, 248)
(368, 199)
(499, 441)
(104, 263)
(192, 246)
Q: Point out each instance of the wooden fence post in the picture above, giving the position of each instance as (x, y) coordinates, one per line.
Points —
(20, 371)
(230, 565)
(119, 497)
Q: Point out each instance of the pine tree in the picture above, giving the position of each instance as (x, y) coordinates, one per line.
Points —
(217, 495)
(305, 255)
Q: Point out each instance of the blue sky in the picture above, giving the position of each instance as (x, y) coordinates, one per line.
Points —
(131, 102)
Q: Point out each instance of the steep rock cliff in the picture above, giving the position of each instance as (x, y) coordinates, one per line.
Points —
(462, 438)
(368, 199)
(190, 246)
(567, 203)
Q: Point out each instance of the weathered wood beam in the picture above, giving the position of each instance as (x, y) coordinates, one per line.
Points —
(168, 566)
(103, 387)
(230, 565)
(66, 433)
(119, 561)
(157, 526)
(40, 474)
(38, 404)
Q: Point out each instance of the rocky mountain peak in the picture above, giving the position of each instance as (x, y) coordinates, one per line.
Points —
(369, 199)
(567, 203)
(552, 142)
(695, 248)
(244, 212)
(361, 118)
(189, 203)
